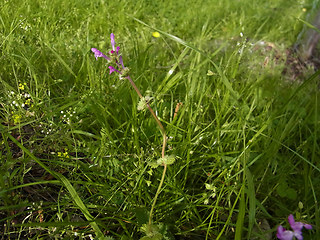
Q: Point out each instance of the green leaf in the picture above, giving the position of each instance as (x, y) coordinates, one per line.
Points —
(146, 238)
(168, 160)
(153, 164)
(152, 232)
(210, 73)
(281, 189)
(158, 236)
(210, 187)
(142, 215)
(291, 193)
(142, 104)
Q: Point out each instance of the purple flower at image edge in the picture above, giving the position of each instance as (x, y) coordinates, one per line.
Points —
(297, 226)
(284, 234)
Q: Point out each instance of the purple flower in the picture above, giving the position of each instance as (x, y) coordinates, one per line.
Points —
(113, 44)
(284, 234)
(114, 50)
(121, 62)
(112, 69)
(114, 57)
(297, 226)
(97, 54)
(124, 69)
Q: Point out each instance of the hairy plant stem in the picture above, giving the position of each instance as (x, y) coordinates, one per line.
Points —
(164, 143)
(157, 193)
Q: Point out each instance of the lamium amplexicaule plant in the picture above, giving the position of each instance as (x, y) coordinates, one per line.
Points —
(153, 231)
(116, 65)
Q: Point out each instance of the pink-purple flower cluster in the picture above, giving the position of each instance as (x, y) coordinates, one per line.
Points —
(297, 227)
(113, 58)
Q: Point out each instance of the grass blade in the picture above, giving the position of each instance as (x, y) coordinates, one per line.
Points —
(252, 200)
(240, 219)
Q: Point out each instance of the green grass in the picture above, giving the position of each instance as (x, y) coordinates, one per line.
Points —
(74, 158)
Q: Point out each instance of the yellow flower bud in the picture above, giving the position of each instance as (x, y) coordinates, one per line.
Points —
(155, 34)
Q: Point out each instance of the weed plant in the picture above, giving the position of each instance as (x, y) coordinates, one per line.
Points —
(75, 151)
